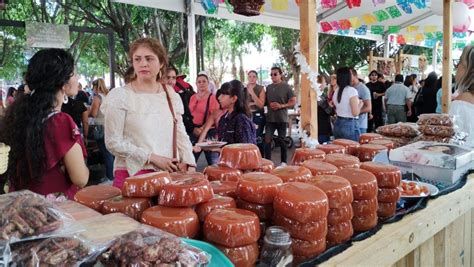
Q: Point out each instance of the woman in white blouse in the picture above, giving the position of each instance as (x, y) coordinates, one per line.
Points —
(347, 104)
(140, 118)
(463, 106)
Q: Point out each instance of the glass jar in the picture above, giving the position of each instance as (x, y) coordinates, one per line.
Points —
(276, 249)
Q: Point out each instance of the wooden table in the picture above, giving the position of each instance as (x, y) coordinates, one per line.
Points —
(439, 235)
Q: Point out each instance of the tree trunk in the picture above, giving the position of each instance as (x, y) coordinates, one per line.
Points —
(234, 66)
(241, 68)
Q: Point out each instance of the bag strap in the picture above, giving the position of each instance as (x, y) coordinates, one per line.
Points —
(207, 109)
(175, 122)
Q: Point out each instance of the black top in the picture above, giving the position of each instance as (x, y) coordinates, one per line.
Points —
(82, 97)
(379, 88)
(324, 113)
(75, 109)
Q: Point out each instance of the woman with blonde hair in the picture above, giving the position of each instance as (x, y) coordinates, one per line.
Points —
(463, 106)
(143, 125)
(97, 129)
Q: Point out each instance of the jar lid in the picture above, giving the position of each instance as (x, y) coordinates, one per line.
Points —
(277, 235)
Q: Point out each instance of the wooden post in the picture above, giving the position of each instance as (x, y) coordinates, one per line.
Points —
(309, 48)
(371, 60)
(447, 56)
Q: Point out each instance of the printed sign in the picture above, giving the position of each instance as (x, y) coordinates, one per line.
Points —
(47, 35)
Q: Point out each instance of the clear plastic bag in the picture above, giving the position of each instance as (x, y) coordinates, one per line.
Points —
(436, 119)
(437, 130)
(26, 215)
(53, 251)
(399, 130)
(148, 246)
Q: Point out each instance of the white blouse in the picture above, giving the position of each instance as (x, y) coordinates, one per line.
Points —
(138, 124)
(463, 111)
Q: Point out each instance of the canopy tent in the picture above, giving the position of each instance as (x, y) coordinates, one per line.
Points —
(286, 13)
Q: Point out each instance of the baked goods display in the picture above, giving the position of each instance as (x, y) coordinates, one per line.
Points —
(365, 138)
(132, 207)
(145, 185)
(318, 167)
(240, 156)
(292, 173)
(367, 152)
(332, 148)
(185, 193)
(389, 144)
(350, 145)
(342, 160)
(303, 154)
(222, 173)
(182, 222)
(94, 196)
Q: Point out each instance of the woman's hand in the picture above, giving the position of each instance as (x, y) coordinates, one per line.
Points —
(163, 163)
(197, 131)
(197, 149)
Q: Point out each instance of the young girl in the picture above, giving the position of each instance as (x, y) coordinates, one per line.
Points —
(235, 125)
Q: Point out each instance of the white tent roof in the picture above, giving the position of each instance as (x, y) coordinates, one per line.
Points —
(289, 18)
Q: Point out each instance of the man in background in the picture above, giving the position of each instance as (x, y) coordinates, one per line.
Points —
(364, 96)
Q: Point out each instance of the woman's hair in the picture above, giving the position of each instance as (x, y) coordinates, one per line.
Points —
(374, 71)
(236, 88)
(466, 83)
(430, 81)
(171, 68)
(99, 86)
(157, 48)
(10, 92)
(129, 75)
(408, 81)
(253, 71)
(320, 79)
(48, 71)
(202, 75)
(343, 79)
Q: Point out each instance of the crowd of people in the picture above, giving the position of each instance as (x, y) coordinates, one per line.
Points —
(156, 121)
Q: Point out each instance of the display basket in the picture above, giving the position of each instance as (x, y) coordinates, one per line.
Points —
(4, 149)
(247, 7)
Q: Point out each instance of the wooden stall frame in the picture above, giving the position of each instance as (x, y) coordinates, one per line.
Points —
(439, 235)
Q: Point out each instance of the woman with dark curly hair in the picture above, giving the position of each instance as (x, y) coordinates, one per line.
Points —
(47, 152)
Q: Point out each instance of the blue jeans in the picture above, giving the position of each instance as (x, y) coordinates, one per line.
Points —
(347, 128)
(363, 130)
(212, 158)
(258, 119)
(108, 159)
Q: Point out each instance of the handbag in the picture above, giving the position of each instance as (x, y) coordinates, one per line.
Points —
(96, 132)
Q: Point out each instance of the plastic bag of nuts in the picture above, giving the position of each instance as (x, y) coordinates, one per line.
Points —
(26, 215)
(148, 246)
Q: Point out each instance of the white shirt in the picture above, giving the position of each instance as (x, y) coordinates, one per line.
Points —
(343, 108)
(138, 124)
(463, 111)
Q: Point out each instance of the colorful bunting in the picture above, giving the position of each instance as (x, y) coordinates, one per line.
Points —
(343, 32)
(430, 42)
(362, 30)
(412, 28)
(376, 2)
(369, 19)
(439, 36)
(429, 35)
(381, 15)
(419, 37)
(394, 12)
(325, 26)
(409, 38)
(280, 5)
(353, 3)
(459, 34)
(401, 39)
(406, 8)
(335, 25)
(377, 29)
(393, 29)
(460, 45)
(345, 24)
(355, 22)
(209, 6)
(420, 4)
(431, 28)
(328, 3)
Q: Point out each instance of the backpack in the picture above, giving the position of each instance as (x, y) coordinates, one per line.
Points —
(185, 91)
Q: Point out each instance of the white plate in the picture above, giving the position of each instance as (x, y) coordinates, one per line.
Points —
(433, 189)
(211, 144)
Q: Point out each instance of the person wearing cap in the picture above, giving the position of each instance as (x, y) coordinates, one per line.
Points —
(202, 105)
(364, 95)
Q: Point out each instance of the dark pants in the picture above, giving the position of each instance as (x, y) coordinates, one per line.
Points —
(108, 159)
(375, 122)
(324, 138)
(258, 119)
(270, 128)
